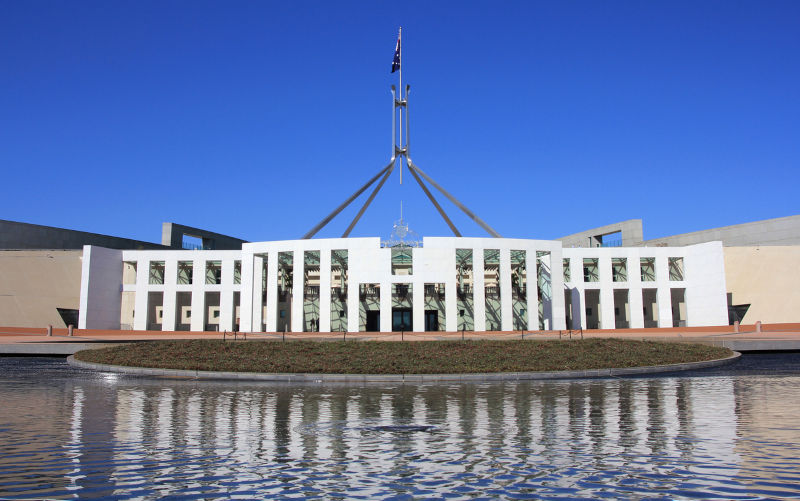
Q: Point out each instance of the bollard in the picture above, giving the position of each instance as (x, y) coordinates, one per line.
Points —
(462, 332)
(344, 335)
(234, 335)
(283, 337)
(244, 335)
(49, 330)
(758, 326)
(70, 327)
(402, 335)
(736, 326)
(224, 333)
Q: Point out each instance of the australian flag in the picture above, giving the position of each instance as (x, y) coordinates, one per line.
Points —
(396, 60)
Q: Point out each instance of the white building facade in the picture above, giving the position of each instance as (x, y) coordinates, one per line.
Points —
(446, 284)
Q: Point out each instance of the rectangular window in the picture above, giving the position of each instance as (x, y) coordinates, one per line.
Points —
(311, 283)
(286, 289)
(648, 269)
(237, 272)
(464, 297)
(156, 272)
(590, 272)
(185, 272)
(545, 293)
(491, 281)
(619, 269)
(339, 290)
(675, 268)
(567, 271)
(213, 272)
(401, 260)
(519, 289)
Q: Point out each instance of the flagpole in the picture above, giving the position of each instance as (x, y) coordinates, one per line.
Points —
(400, 87)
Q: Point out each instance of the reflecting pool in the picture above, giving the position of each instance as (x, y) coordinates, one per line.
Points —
(730, 433)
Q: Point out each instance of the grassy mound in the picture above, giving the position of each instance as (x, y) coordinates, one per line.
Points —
(442, 357)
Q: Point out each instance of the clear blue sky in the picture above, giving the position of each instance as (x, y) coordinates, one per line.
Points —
(255, 119)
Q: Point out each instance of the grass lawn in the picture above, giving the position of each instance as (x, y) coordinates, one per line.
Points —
(429, 357)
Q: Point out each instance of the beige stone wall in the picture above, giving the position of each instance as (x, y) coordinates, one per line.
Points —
(767, 278)
(33, 283)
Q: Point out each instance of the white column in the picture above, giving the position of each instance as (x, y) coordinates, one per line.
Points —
(636, 306)
(246, 297)
(450, 305)
(271, 318)
(170, 293)
(635, 291)
(142, 292)
(606, 293)
(558, 315)
(353, 288)
(664, 306)
(101, 288)
(479, 290)
(663, 294)
(578, 313)
(297, 290)
(226, 312)
(506, 310)
(256, 265)
(198, 295)
(386, 306)
(325, 290)
(418, 306)
(581, 306)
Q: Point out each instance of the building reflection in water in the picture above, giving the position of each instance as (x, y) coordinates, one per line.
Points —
(477, 429)
(573, 437)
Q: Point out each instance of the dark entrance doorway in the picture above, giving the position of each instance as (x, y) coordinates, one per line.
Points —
(431, 320)
(373, 321)
(401, 319)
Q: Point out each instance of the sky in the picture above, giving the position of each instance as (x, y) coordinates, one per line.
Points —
(256, 119)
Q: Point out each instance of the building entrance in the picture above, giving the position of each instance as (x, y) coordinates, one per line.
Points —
(431, 320)
(373, 321)
(401, 319)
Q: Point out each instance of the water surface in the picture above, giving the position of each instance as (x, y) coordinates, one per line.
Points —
(729, 433)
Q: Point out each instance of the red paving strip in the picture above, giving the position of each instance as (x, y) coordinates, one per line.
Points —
(14, 335)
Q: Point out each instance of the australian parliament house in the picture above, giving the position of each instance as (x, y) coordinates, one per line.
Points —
(602, 278)
(445, 284)
(404, 283)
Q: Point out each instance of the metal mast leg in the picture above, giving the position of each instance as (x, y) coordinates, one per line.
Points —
(434, 202)
(453, 199)
(347, 202)
(369, 201)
